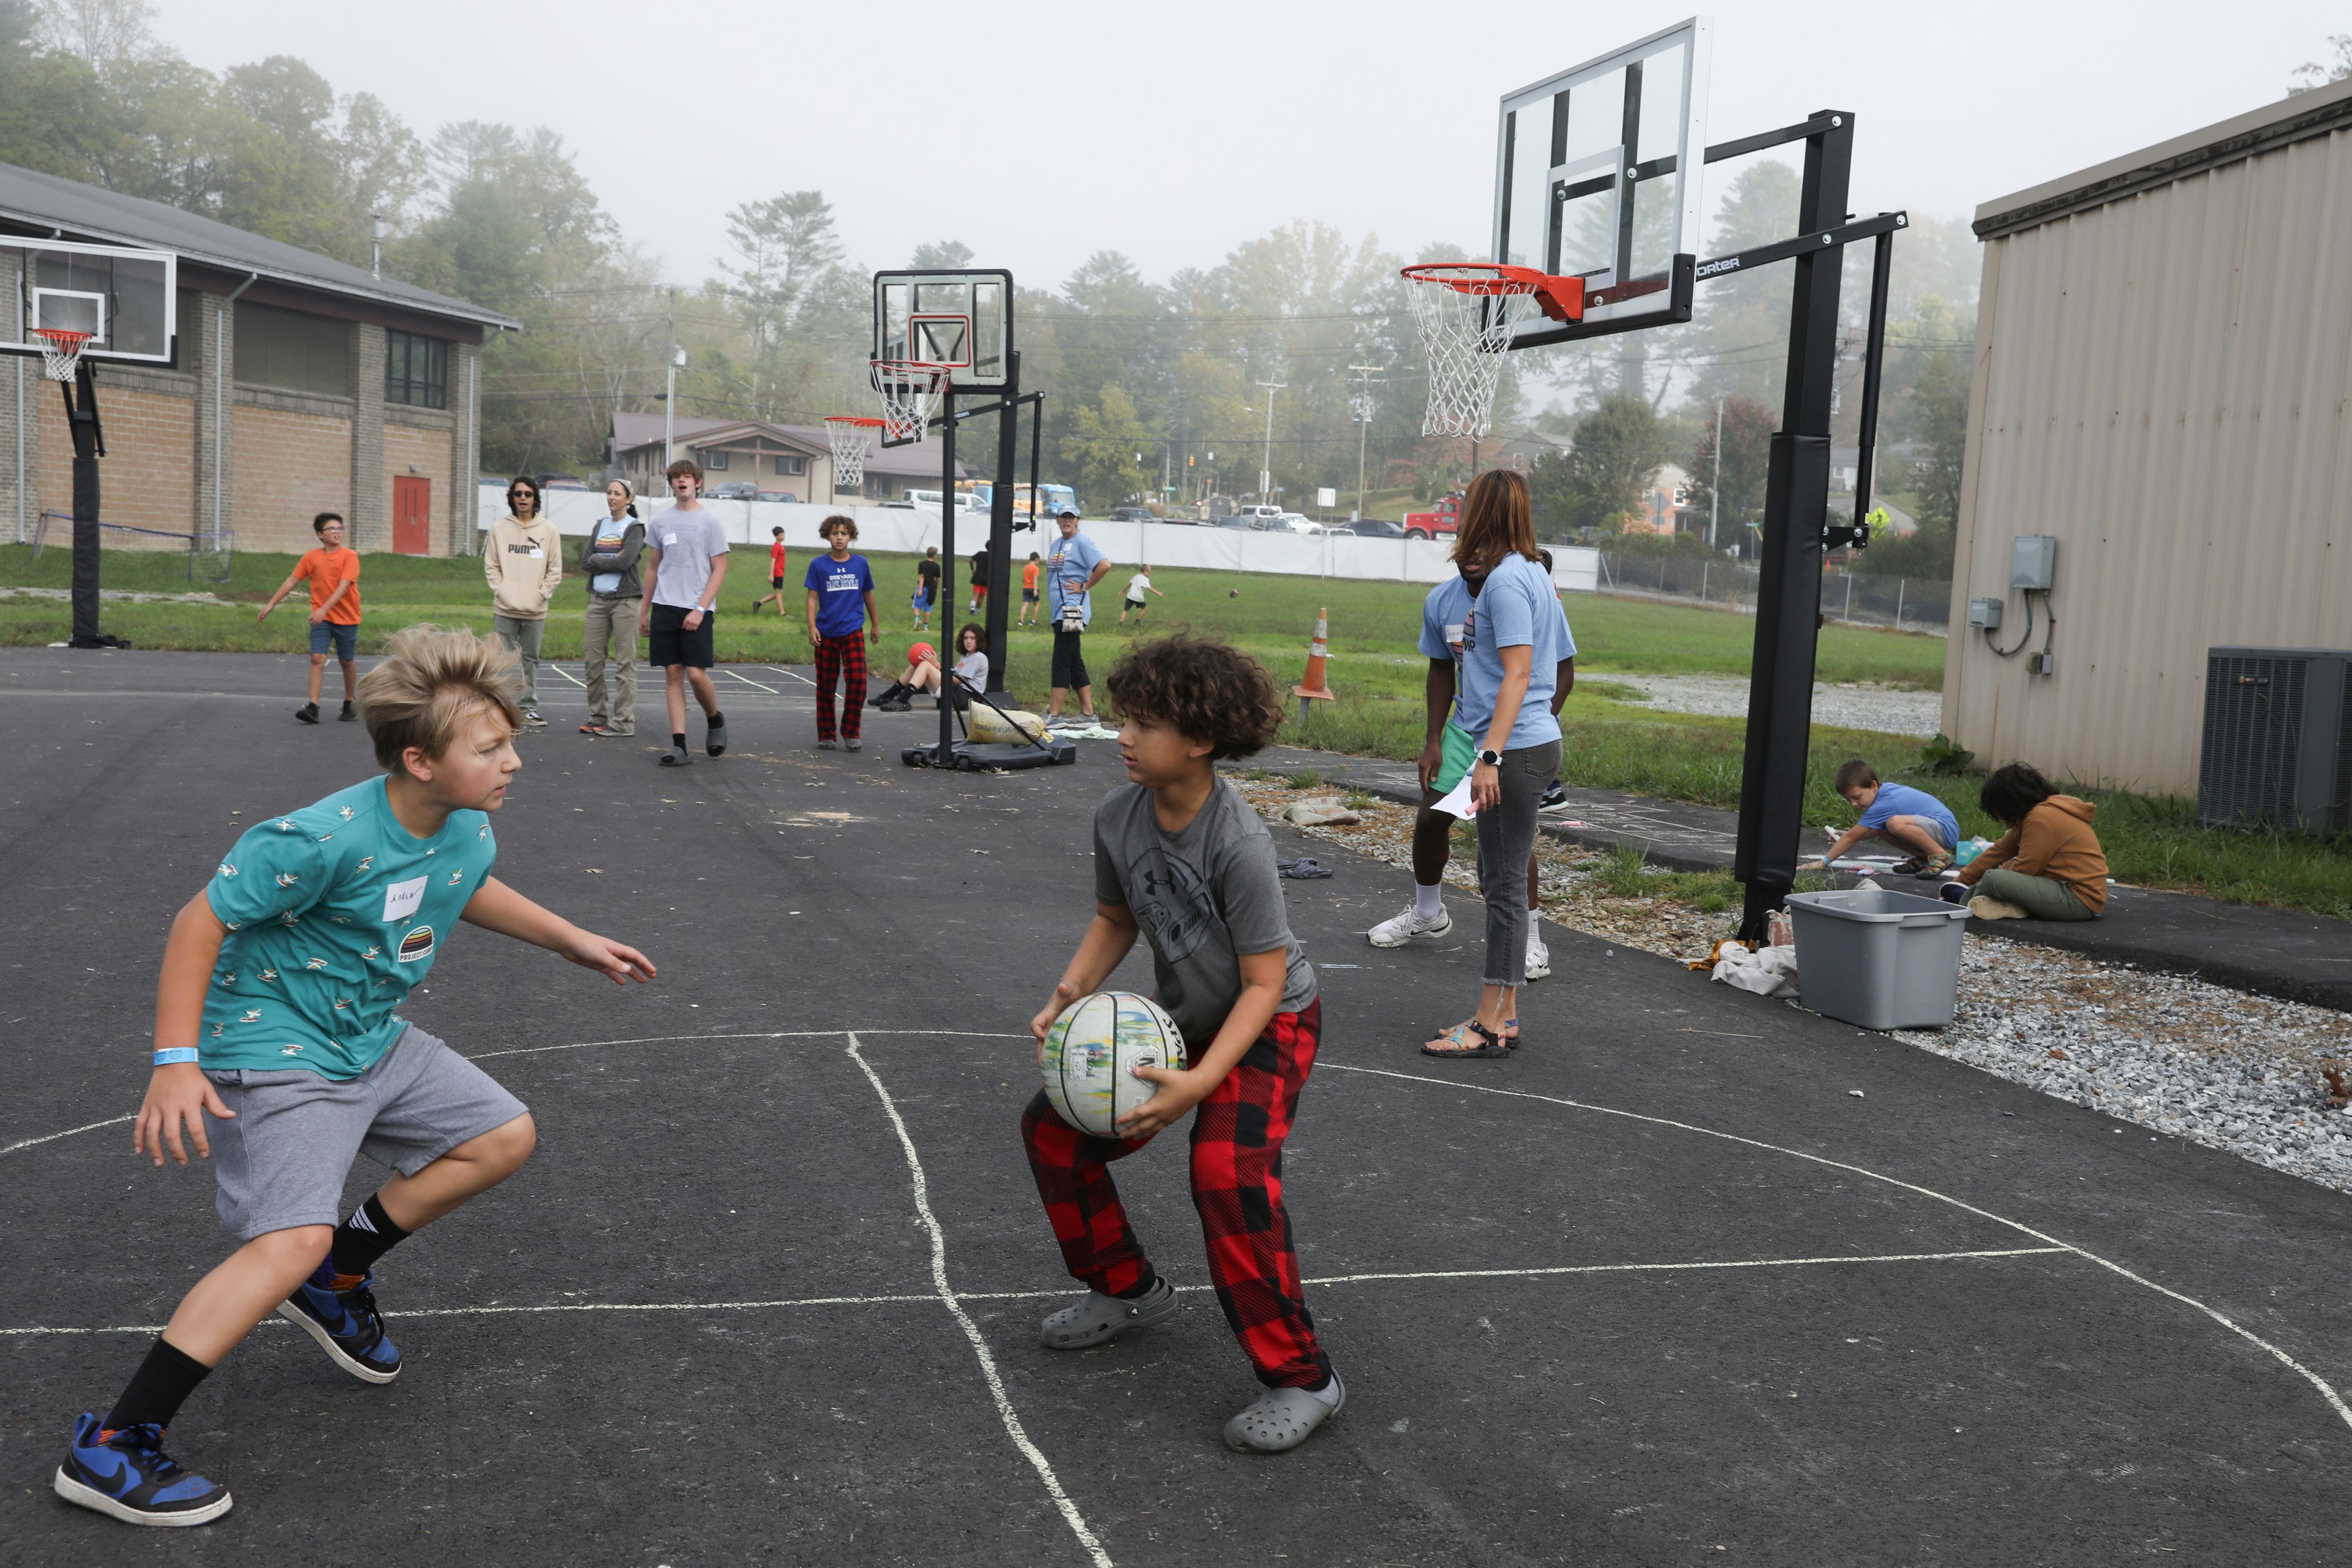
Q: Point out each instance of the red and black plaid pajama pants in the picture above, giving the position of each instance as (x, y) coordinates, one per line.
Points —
(1237, 1138)
(843, 658)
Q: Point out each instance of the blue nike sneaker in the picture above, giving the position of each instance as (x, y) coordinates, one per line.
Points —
(127, 1475)
(346, 1324)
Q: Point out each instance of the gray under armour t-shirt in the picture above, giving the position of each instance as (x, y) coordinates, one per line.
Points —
(1202, 897)
(687, 541)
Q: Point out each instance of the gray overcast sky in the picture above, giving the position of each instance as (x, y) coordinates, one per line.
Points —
(1038, 133)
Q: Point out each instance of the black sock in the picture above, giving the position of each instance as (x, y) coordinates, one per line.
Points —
(677, 739)
(715, 720)
(1143, 1287)
(359, 1240)
(158, 1389)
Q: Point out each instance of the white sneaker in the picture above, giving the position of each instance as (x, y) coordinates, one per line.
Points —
(1539, 958)
(1403, 928)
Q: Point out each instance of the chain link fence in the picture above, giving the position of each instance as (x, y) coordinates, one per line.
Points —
(1908, 604)
(210, 555)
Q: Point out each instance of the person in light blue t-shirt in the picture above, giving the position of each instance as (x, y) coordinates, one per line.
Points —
(1513, 637)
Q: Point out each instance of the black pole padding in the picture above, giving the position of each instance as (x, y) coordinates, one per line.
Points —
(1796, 513)
(89, 445)
(999, 527)
(949, 502)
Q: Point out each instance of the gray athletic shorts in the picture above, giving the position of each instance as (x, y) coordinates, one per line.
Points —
(281, 1162)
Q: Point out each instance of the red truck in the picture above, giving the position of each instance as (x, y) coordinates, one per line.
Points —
(1440, 523)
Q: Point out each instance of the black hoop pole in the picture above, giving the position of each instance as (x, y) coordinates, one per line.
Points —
(949, 500)
(81, 396)
(1796, 511)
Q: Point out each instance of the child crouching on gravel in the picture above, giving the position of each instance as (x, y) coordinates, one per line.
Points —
(274, 1036)
(1182, 860)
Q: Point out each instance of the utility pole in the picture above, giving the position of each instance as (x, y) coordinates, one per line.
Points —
(1714, 488)
(670, 394)
(376, 245)
(1363, 412)
(1266, 473)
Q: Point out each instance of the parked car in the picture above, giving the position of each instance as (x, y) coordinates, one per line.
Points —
(1258, 510)
(929, 500)
(901, 505)
(1229, 519)
(1373, 528)
(737, 490)
(561, 482)
(1299, 522)
(1132, 514)
(776, 495)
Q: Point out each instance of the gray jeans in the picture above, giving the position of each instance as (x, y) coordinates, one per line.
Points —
(523, 638)
(1507, 837)
(613, 619)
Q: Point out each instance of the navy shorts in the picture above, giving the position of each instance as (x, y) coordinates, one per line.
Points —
(346, 639)
(671, 643)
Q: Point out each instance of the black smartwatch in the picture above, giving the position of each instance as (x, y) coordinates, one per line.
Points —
(1491, 758)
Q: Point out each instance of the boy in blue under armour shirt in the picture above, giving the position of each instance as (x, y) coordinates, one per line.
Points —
(278, 1055)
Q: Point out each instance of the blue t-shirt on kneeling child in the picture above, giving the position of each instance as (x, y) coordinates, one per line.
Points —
(1902, 800)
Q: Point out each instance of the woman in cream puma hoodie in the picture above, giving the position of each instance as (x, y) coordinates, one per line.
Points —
(523, 559)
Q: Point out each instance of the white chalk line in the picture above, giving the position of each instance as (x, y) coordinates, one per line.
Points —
(53, 1137)
(931, 1298)
(568, 676)
(795, 674)
(2327, 1391)
(746, 680)
(947, 1296)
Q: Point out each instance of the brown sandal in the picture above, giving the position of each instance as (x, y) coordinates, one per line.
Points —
(1454, 1042)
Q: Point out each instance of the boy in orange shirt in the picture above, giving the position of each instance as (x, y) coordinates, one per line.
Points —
(334, 575)
(775, 594)
(1029, 592)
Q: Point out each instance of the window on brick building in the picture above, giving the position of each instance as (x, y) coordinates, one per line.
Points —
(415, 371)
(288, 349)
(792, 465)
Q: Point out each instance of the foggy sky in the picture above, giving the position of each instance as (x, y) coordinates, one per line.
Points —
(1173, 134)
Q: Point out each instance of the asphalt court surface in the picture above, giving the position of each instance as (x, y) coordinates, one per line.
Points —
(1659, 1288)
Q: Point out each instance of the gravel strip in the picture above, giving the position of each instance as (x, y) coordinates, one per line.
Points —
(2234, 1071)
(1885, 709)
(118, 595)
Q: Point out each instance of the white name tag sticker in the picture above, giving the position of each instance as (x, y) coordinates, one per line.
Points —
(536, 553)
(402, 898)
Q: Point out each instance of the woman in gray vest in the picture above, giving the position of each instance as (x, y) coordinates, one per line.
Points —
(615, 593)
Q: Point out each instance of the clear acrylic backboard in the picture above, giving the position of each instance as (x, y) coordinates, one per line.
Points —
(960, 319)
(126, 298)
(1597, 175)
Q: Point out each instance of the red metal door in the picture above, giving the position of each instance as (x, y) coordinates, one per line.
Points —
(412, 516)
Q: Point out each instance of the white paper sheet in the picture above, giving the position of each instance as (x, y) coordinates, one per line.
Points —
(1457, 802)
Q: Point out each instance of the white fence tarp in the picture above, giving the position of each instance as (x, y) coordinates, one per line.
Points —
(1174, 546)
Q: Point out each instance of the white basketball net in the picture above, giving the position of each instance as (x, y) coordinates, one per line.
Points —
(1466, 315)
(851, 437)
(910, 390)
(60, 351)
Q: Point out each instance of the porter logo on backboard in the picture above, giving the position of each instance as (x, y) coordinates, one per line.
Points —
(416, 944)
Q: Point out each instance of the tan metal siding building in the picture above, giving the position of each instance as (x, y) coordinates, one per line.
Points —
(2163, 364)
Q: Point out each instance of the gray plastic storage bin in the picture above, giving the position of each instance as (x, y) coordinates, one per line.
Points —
(1877, 959)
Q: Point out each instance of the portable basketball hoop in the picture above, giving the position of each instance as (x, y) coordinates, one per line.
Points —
(61, 350)
(910, 389)
(851, 435)
(1467, 312)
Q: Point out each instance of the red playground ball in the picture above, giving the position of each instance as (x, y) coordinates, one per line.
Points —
(922, 651)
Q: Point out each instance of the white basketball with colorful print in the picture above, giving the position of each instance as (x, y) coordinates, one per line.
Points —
(1091, 1054)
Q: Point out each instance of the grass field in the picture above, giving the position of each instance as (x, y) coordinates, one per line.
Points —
(1376, 670)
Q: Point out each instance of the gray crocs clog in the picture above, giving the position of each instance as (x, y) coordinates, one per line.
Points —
(1098, 1317)
(1281, 1419)
(714, 740)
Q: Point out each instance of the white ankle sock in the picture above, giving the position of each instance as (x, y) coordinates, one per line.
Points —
(1329, 1392)
(1428, 902)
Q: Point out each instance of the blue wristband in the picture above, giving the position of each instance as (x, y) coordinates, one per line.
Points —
(171, 1053)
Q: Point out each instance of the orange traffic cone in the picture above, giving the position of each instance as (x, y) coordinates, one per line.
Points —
(1315, 688)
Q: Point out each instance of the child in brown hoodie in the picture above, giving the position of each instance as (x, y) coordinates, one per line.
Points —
(2048, 864)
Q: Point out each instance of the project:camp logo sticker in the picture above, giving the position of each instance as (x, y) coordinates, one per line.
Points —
(416, 944)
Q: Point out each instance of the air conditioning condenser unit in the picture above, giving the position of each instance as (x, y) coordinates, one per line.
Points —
(2277, 745)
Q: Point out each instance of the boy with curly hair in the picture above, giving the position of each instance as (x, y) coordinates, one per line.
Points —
(1181, 860)
(275, 1039)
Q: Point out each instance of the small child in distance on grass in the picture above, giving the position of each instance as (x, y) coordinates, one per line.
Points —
(1911, 819)
(1182, 861)
(275, 1039)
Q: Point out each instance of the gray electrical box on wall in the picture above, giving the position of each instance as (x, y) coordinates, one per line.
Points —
(2033, 562)
(1985, 612)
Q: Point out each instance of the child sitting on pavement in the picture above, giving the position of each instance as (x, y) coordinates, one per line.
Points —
(2049, 865)
(1911, 820)
(922, 673)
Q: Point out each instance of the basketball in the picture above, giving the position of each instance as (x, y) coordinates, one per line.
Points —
(922, 651)
(1091, 1054)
